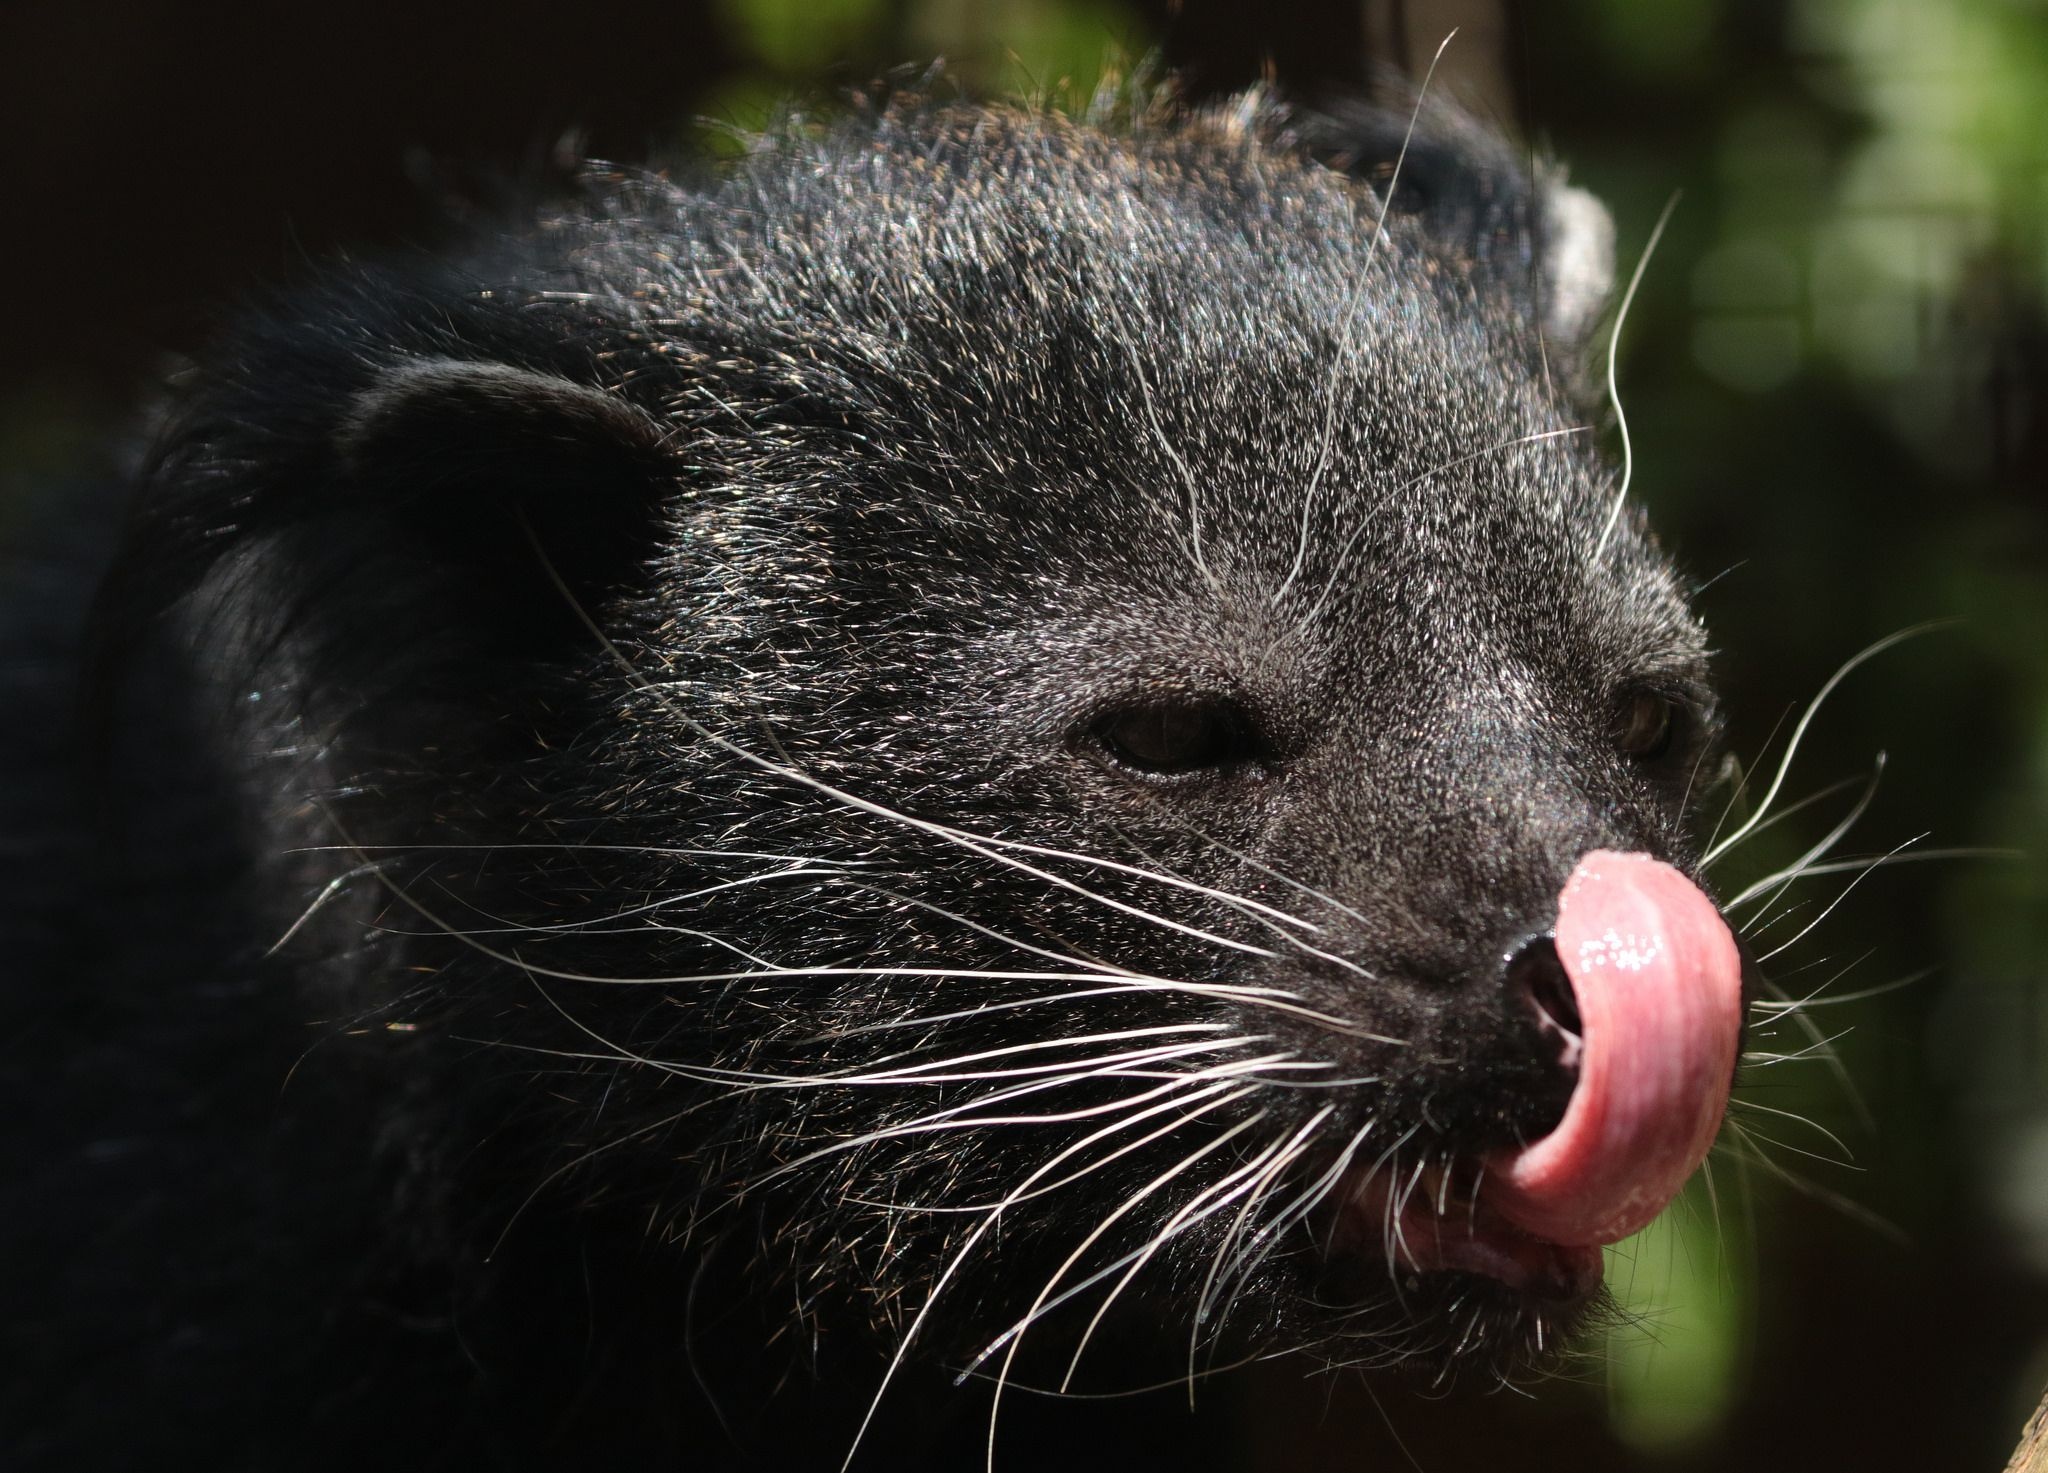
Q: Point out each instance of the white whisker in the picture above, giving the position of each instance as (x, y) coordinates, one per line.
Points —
(1628, 452)
(1799, 734)
(1776, 884)
(1812, 1000)
(1758, 1107)
(1046, 1300)
(1807, 930)
(1291, 1150)
(959, 1258)
(1354, 311)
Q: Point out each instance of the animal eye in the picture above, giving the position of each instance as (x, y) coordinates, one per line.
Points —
(1175, 737)
(1647, 725)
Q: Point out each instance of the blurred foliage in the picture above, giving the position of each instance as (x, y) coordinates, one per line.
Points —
(1674, 1373)
(1051, 50)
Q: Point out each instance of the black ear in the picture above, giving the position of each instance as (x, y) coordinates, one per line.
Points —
(1546, 244)
(510, 475)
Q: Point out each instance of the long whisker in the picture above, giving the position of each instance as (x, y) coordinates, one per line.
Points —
(960, 1257)
(1818, 796)
(1785, 1007)
(987, 846)
(1286, 938)
(1766, 1058)
(1628, 453)
(1853, 1210)
(1799, 732)
(1262, 1243)
(1239, 1184)
(1807, 930)
(1166, 445)
(1850, 863)
(1047, 1301)
(1772, 886)
(1802, 1020)
(1252, 862)
(578, 846)
(1353, 312)
(1291, 1150)
(1175, 1094)
(319, 902)
(608, 923)
(1758, 1107)
(1254, 996)
(929, 1073)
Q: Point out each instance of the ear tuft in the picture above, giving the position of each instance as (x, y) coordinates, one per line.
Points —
(1577, 262)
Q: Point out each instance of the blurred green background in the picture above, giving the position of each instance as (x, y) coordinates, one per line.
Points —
(1835, 378)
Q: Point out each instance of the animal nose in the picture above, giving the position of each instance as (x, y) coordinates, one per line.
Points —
(1540, 991)
(1536, 976)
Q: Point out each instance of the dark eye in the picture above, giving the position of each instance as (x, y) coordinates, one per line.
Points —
(1647, 725)
(1170, 738)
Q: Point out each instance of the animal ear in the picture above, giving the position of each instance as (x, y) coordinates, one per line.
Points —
(1540, 241)
(512, 474)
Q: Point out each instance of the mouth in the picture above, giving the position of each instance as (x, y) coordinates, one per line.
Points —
(1654, 1014)
(1430, 1222)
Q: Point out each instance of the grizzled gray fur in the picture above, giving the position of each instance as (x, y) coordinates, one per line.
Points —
(930, 741)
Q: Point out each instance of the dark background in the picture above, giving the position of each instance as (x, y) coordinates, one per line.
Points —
(1834, 377)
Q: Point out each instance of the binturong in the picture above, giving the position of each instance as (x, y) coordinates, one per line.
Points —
(745, 821)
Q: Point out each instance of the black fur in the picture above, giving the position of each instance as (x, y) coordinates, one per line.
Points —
(684, 678)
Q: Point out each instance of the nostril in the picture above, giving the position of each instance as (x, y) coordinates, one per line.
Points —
(1536, 975)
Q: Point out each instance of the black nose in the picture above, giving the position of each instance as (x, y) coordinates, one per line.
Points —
(1539, 990)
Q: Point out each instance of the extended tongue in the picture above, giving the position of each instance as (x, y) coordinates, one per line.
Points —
(1658, 984)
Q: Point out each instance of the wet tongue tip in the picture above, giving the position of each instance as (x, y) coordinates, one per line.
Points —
(1658, 982)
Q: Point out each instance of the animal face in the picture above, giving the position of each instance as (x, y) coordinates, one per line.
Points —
(1053, 726)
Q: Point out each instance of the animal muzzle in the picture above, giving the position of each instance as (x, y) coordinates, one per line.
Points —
(1653, 1020)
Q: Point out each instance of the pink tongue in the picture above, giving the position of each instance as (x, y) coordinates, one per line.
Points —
(1659, 990)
